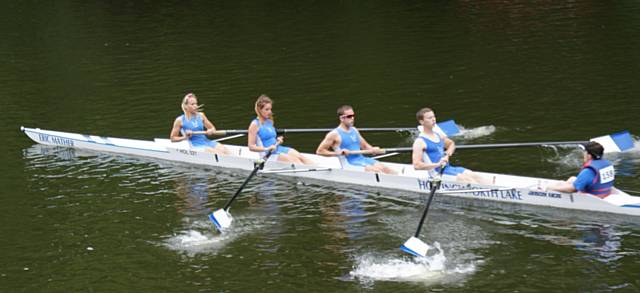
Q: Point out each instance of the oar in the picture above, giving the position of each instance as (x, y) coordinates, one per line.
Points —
(222, 218)
(613, 143)
(381, 151)
(448, 127)
(229, 137)
(414, 245)
(617, 142)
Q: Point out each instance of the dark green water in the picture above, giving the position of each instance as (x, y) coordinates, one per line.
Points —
(506, 71)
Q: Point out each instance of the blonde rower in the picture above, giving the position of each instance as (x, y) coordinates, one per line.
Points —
(191, 121)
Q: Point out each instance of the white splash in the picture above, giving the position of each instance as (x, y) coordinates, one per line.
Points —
(430, 269)
(193, 242)
(473, 133)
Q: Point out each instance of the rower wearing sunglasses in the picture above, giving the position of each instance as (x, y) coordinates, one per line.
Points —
(346, 139)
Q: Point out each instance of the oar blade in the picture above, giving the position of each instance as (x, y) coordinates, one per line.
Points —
(415, 247)
(448, 128)
(617, 142)
(221, 219)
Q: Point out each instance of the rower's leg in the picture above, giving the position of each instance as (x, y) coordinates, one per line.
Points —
(221, 149)
(388, 170)
(288, 158)
(300, 157)
(307, 161)
(372, 168)
(214, 150)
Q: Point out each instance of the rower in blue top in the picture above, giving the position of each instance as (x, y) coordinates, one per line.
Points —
(431, 150)
(195, 121)
(596, 177)
(346, 139)
(262, 135)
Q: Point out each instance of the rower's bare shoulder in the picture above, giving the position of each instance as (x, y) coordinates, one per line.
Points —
(253, 126)
(332, 135)
(177, 122)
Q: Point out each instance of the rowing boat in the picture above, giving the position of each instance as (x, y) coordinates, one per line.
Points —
(330, 170)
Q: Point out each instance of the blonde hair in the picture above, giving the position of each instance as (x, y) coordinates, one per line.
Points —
(185, 100)
(260, 103)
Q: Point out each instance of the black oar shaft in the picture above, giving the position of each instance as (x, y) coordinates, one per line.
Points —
(435, 184)
(258, 166)
(309, 130)
(374, 129)
(516, 144)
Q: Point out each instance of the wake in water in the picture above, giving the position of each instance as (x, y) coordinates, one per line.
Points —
(476, 132)
(625, 163)
(428, 270)
(464, 135)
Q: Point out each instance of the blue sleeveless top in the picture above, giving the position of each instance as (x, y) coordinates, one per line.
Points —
(196, 124)
(267, 136)
(350, 140)
(435, 151)
(603, 180)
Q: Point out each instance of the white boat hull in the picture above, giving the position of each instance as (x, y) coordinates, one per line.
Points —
(521, 189)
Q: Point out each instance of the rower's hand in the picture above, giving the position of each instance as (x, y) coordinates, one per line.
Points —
(210, 132)
(377, 151)
(342, 152)
(443, 161)
(280, 140)
(272, 147)
(188, 133)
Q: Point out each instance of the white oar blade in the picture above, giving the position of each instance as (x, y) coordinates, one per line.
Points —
(221, 219)
(415, 246)
(617, 142)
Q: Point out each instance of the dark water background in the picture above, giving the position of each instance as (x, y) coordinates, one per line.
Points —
(506, 71)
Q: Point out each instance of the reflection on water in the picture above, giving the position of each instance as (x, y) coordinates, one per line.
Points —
(600, 237)
(193, 190)
(360, 226)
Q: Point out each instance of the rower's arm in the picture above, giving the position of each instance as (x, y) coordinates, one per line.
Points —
(175, 132)
(211, 129)
(416, 157)
(563, 187)
(449, 146)
(364, 145)
(325, 148)
(252, 135)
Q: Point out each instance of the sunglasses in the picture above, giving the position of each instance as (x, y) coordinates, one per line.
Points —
(349, 116)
